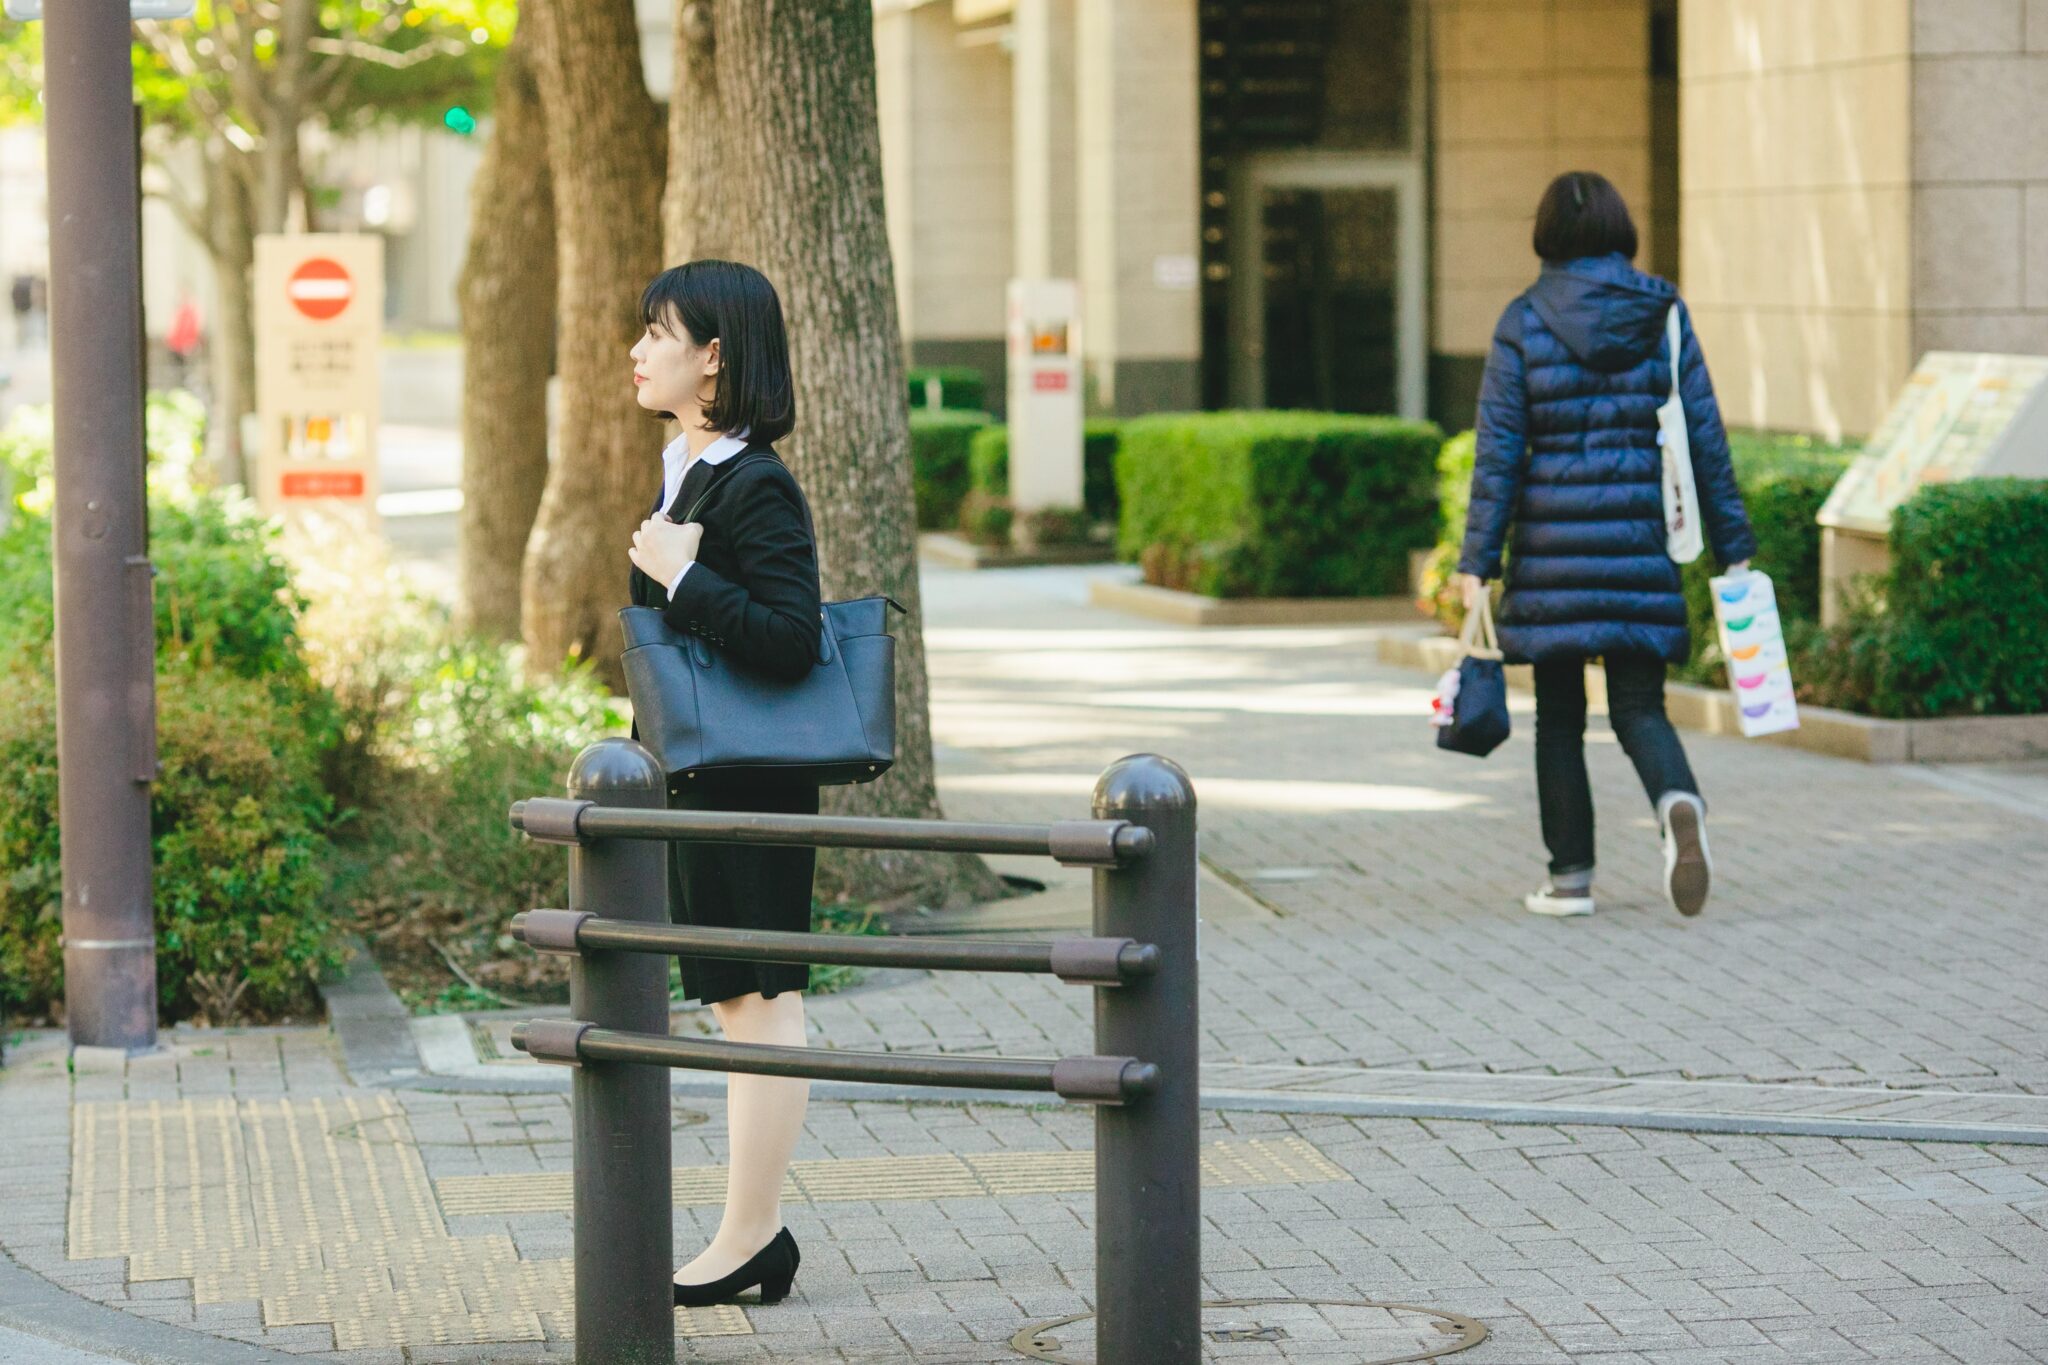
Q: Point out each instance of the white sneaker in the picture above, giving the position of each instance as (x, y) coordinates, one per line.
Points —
(1551, 901)
(1688, 870)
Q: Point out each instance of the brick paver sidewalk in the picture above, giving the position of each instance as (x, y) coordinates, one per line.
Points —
(1873, 953)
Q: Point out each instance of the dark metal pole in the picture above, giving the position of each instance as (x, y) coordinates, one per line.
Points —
(625, 1311)
(1148, 1197)
(106, 683)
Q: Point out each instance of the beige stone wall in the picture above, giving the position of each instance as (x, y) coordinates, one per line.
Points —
(1980, 172)
(1139, 140)
(944, 109)
(1524, 90)
(1796, 166)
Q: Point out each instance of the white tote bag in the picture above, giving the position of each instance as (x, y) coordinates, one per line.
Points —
(1682, 538)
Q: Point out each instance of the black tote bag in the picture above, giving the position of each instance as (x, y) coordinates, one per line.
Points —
(1479, 715)
(701, 712)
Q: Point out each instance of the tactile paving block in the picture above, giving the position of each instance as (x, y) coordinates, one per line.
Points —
(311, 1208)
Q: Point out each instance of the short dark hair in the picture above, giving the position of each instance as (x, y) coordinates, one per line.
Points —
(736, 305)
(1582, 214)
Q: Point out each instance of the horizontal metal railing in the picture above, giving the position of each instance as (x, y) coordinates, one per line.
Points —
(1142, 1081)
(1077, 961)
(1079, 843)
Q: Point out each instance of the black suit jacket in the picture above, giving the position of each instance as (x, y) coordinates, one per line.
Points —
(753, 591)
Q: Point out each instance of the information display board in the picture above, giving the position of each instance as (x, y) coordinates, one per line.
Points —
(1045, 394)
(319, 326)
(1961, 416)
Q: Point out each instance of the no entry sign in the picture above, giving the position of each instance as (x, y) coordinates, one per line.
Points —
(320, 288)
(319, 324)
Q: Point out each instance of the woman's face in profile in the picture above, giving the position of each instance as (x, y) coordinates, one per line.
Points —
(672, 373)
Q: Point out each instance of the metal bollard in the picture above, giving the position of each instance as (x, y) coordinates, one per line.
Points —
(1148, 1196)
(624, 1234)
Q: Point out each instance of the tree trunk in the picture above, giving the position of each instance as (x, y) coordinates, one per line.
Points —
(606, 160)
(507, 295)
(801, 180)
(696, 224)
(231, 359)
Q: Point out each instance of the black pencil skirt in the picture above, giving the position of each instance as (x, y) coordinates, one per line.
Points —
(740, 886)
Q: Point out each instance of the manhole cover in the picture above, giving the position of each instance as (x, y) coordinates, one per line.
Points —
(1379, 1333)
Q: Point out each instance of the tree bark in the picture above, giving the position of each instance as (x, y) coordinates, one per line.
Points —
(606, 160)
(507, 296)
(801, 182)
(694, 224)
(231, 359)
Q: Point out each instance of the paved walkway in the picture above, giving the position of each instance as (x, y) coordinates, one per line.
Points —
(1764, 1135)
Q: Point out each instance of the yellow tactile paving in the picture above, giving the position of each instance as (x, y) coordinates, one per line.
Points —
(310, 1207)
(1259, 1161)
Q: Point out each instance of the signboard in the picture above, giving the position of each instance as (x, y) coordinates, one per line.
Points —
(137, 9)
(319, 326)
(1961, 416)
(1045, 394)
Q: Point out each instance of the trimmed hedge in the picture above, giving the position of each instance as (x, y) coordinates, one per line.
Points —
(959, 387)
(938, 462)
(988, 460)
(1959, 626)
(1277, 504)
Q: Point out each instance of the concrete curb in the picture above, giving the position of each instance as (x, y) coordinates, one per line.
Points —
(1838, 734)
(37, 1308)
(439, 1056)
(957, 552)
(1193, 609)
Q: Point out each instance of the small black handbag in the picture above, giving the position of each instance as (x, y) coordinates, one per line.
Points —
(1479, 715)
(703, 713)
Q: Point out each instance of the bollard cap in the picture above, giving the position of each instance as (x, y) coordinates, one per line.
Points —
(1142, 782)
(616, 767)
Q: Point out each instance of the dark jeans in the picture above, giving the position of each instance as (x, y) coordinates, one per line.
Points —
(1635, 708)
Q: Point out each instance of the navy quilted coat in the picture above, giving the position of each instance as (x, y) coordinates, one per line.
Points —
(1568, 454)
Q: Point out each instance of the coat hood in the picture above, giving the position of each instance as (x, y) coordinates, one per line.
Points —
(1607, 313)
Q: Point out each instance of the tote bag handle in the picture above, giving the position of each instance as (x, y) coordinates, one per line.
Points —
(1477, 635)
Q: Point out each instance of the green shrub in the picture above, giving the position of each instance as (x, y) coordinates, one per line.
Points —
(224, 595)
(432, 865)
(938, 463)
(1453, 497)
(986, 519)
(1959, 624)
(238, 821)
(960, 387)
(989, 466)
(1277, 504)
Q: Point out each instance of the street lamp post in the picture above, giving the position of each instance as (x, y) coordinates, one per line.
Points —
(106, 669)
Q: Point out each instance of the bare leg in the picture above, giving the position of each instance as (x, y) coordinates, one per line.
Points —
(764, 1116)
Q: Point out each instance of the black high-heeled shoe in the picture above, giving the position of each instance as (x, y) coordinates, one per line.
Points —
(773, 1267)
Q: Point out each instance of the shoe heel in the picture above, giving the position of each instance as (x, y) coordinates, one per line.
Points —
(776, 1290)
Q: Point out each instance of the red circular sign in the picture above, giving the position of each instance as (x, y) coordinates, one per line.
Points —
(320, 288)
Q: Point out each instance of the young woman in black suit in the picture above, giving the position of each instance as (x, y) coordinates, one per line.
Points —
(743, 576)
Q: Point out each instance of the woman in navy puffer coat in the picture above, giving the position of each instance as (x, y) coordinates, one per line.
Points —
(1568, 455)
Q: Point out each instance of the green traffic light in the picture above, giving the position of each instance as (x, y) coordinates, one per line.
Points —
(460, 120)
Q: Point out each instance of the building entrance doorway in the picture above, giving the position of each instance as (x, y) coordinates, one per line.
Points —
(1327, 283)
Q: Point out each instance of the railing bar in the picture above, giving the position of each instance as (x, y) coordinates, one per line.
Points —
(824, 831)
(761, 945)
(832, 831)
(762, 1059)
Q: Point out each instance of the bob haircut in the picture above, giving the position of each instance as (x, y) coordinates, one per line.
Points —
(1582, 214)
(735, 305)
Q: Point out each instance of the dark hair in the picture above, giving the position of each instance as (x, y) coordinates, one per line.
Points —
(1582, 214)
(736, 305)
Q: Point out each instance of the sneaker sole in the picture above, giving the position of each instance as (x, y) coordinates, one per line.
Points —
(1688, 879)
(1569, 909)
